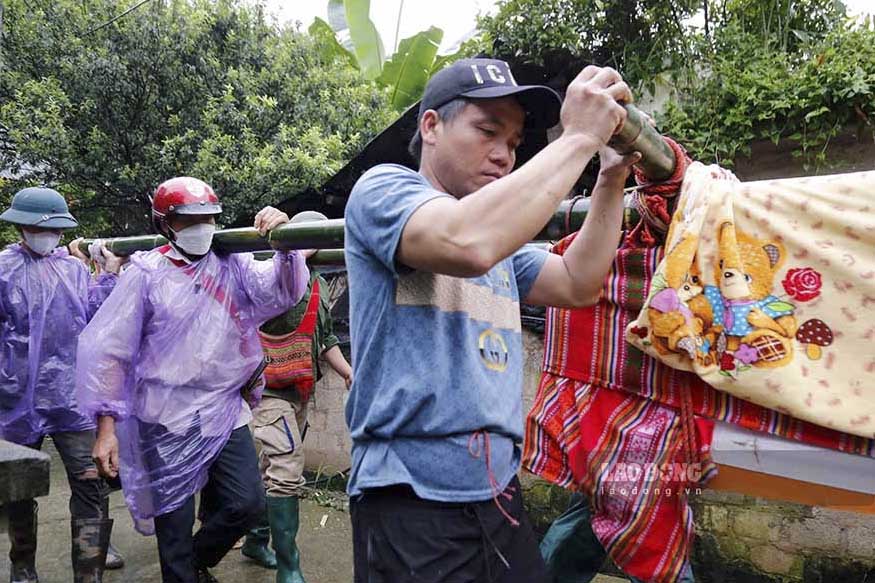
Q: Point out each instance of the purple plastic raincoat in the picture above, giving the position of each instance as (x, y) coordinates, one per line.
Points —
(167, 355)
(45, 303)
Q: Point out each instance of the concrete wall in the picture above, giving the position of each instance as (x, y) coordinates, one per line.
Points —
(748, 540)
(327, 441)
(851, 151)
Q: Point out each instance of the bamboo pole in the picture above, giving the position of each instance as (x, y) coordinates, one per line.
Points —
(637, 134)
(657, 158)
(322, 257)
(309, 235)
(328, 235)
(571, 213)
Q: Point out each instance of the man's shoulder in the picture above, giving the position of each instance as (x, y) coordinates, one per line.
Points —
(11, 260)
(383, 175)
(10, 253)
(388, 170)
(147, 261)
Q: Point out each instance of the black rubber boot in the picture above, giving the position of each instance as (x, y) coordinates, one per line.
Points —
(114, 559)
(204, 576)
(22, 539)
(90, 543)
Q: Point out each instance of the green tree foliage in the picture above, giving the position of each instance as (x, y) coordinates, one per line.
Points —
(208, 88)
(778, 24)
(740, 70)
(794, 70)
(642, 38)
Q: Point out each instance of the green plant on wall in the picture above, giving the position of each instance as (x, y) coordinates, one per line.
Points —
(804, 85)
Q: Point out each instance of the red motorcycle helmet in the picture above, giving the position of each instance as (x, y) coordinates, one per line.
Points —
(182, 195)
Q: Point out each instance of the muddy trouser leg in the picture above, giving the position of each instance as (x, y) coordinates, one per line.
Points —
(88, 491)
(90, 525)
(22, 536)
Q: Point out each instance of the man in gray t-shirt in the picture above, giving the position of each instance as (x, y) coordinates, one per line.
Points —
(437, 270)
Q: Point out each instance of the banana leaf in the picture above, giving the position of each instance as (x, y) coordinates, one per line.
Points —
(442, 61)
(322, 31)
(351, 17)
(409, 69)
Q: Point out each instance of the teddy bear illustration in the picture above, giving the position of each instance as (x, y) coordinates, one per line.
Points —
(742, 318)
(675, 327)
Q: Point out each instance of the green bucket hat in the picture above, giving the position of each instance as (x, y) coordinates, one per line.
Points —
(39, 207)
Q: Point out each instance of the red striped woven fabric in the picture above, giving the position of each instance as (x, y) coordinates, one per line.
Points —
(603, 407)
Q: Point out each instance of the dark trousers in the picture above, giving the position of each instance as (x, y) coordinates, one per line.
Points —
(87, 490)
(87, 493)
(235, 498)
(400, 538)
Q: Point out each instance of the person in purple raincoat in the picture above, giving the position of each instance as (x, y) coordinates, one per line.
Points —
(164, 367)
(46, 299)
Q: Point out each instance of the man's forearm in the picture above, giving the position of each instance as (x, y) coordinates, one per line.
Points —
(334, 357)
(591, 254)
(503, 216)
(105, 425)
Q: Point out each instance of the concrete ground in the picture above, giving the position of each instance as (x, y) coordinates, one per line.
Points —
(325, 542)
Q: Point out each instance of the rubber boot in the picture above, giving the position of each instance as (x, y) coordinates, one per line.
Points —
(283, 516)
(90, 543)
(114, 559)
(204, 576)
(256, 547)
(22, 539)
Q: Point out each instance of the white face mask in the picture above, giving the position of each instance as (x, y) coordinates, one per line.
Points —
(41, 243)
(196, 239)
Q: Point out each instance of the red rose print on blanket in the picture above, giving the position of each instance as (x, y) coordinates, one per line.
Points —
(727, 362)
(640, 332)
(802, 284)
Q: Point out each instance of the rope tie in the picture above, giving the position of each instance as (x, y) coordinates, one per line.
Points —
(475, 449)
(690, 453)
(568, 213)
(652, 200)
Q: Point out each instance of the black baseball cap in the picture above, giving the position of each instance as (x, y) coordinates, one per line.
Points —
(490, 79)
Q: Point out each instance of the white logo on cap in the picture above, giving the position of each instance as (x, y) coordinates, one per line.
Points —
(495, 74)
(477, 74)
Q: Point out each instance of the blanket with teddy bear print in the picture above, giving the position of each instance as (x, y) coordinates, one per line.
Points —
(765, 291)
